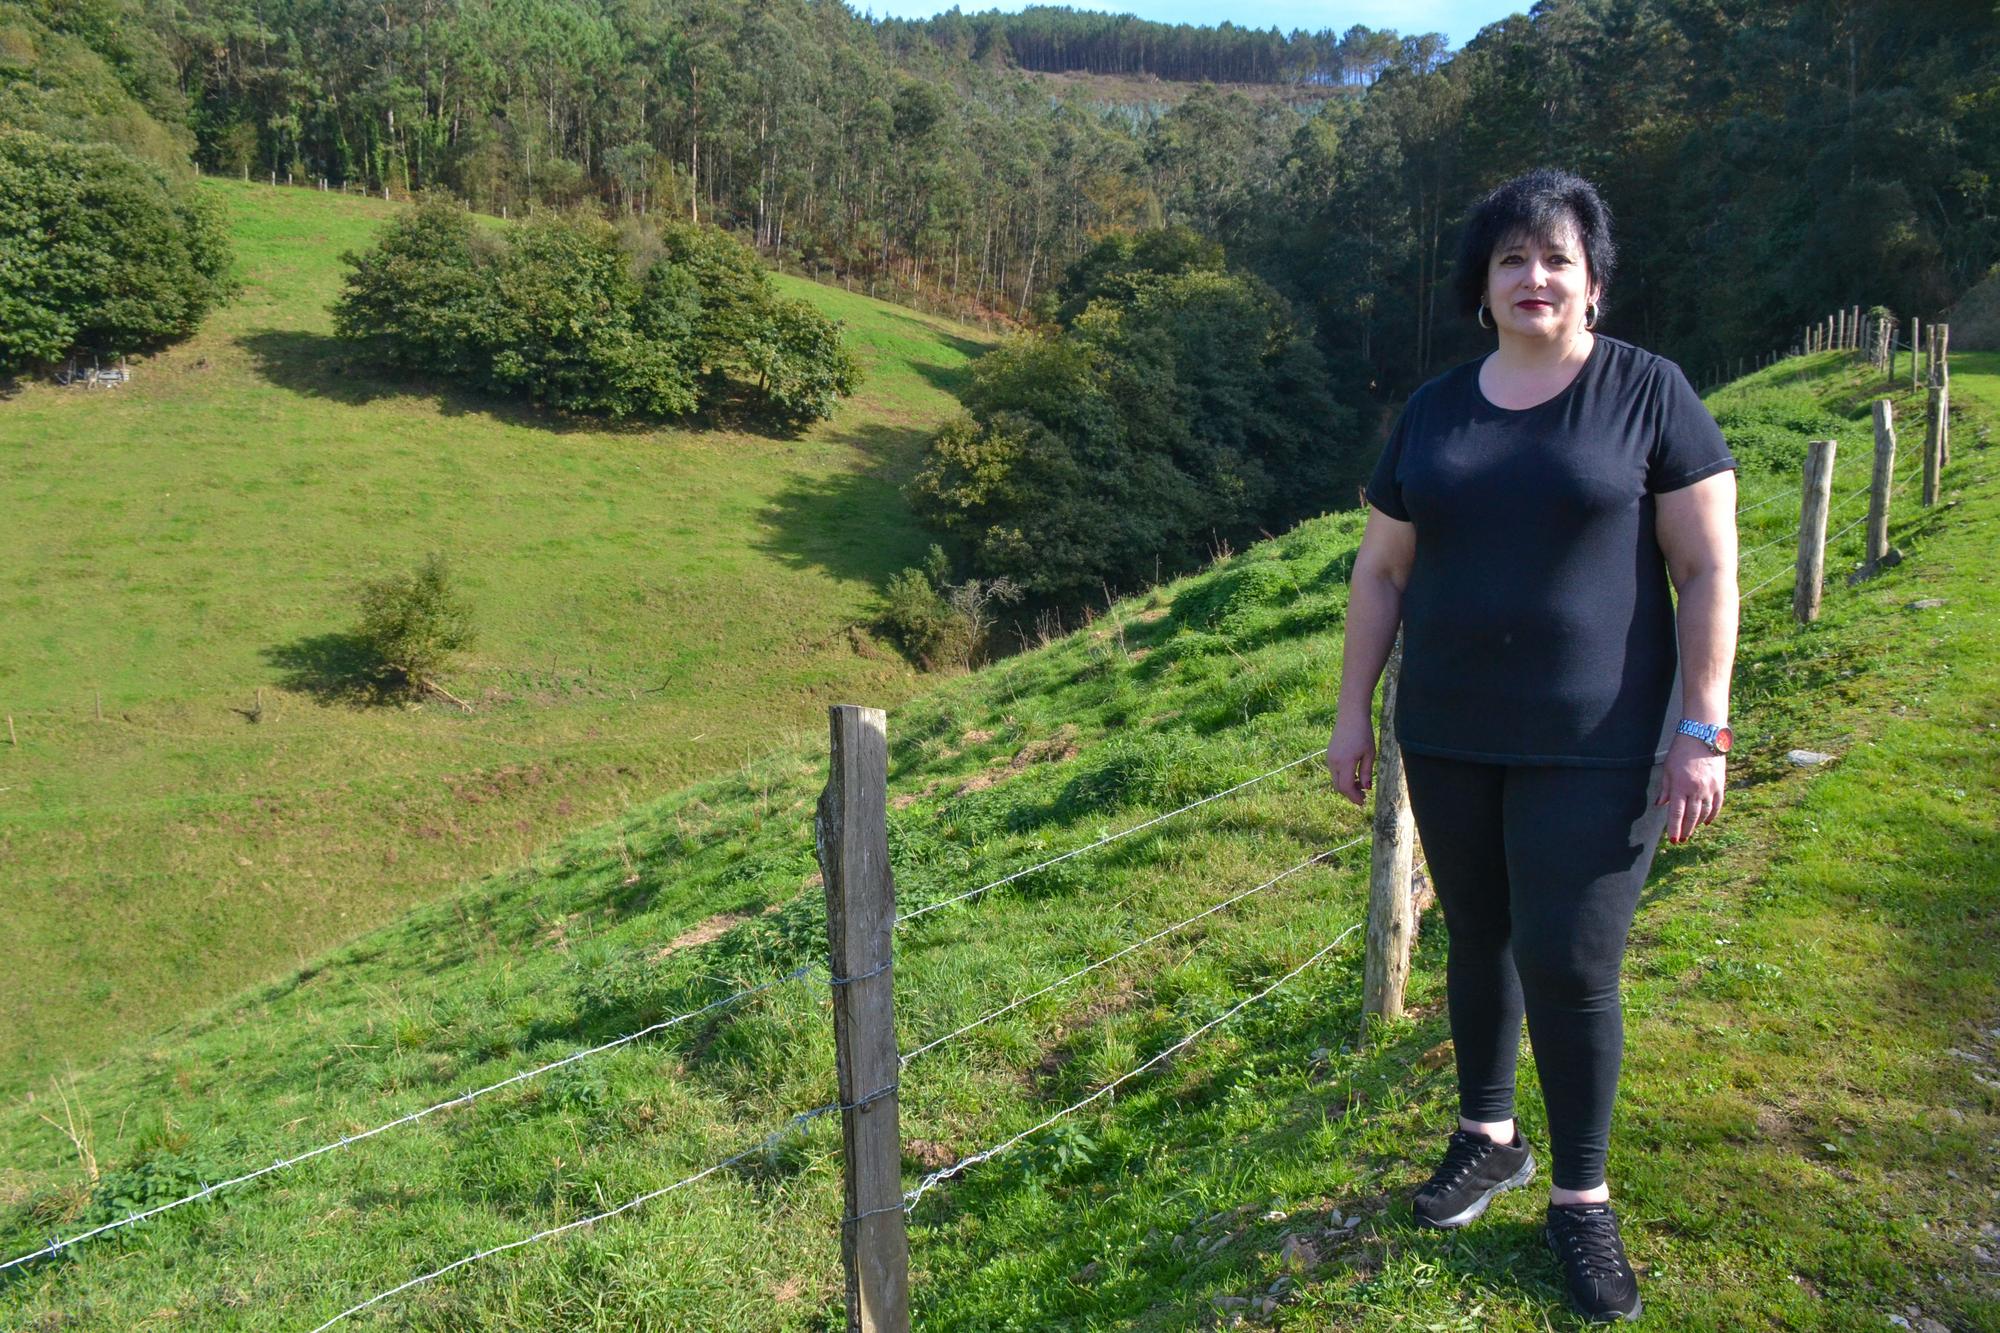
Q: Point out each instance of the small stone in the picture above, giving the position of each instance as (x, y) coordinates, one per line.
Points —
(1276, 1215)
(1899, 1321)
(1926, 603)
(1926, 1324)
(1226, 1304)
(1808, 758)
(1267, 1306)
(1322, 1055)
(1298, 1254)
(1087, 1274)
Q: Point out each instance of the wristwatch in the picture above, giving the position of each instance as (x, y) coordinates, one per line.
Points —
(1714, 735)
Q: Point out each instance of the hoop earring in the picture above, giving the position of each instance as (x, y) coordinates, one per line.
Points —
(1590, 315)
(1481, 316)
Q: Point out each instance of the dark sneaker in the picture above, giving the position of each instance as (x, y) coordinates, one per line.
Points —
(1602, 1286)
(1475, 1168)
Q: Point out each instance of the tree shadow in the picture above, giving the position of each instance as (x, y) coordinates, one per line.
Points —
(852, 525)
(337, 668)
(320, 365)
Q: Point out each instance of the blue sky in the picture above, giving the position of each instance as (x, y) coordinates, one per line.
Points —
(1456, 19)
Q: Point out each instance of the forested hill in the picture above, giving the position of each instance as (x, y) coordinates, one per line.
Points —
(1058, 39)
(1767, 162)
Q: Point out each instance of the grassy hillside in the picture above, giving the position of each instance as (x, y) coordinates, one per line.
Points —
(655, 605)
(1805, 1133)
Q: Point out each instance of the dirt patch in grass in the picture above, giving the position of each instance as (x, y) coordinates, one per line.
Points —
(708, 931)
(1054, 749)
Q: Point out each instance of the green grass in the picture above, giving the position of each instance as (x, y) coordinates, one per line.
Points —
(655, 605)
(1795, 1146)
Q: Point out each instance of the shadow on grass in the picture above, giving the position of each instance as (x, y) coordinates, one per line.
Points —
(319, 365)
(852, 525)
(336, 668)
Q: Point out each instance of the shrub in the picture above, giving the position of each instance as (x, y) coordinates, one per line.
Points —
(941, 623)
(1180, 406)
(800, 363)
(99, 250)
(411, 624)
(557, 314)
(421, 299)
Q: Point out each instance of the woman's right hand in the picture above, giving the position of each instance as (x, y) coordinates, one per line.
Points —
(1350, 757)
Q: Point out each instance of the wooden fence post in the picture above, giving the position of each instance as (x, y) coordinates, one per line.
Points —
(1944, 355)
(1944, 427)
(1933, 444)
(1814, 502)
(1880, 488)
(1854, 329)
(1391, 924)
(1916, 347)
(851, 837)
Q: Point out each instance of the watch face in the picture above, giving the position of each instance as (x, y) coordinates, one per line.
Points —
(1724, 738)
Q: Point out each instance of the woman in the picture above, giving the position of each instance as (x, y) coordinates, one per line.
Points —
(1524, 519)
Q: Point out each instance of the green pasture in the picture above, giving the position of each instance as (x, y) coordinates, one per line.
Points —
(654, 606)
(1806, 1125)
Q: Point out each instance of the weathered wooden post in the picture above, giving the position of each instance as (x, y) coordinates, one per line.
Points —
(1815, 500)
(1839, 329)
(1944, 355)
(851, 836)
(1884, 481)
(1933, 444)
(1916, 359)
(1391, 923)
(1854, 329)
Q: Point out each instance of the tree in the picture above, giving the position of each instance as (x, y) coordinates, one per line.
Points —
(99, 251)
(422, 299)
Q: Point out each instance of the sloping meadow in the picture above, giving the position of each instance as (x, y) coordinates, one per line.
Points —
(1258, 1174)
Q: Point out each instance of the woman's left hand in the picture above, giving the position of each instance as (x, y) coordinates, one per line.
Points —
(1691, 787)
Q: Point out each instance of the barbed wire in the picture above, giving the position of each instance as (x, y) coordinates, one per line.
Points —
(762, 1145)
(55, 1247)
(1106, 840)
(1012, 1005)
(912, 1197)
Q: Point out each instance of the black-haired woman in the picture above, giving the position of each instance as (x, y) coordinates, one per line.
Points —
(1556, 712)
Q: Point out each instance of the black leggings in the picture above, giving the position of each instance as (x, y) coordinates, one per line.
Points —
(1539, 872)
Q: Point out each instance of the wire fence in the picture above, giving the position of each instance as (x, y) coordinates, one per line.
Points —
(58, 1245)
(764, 1144)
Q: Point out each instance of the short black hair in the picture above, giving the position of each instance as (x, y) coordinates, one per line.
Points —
(1538, 203)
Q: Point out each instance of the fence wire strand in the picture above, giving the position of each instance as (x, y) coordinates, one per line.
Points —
(1012, 1005)
(55, 1247)
(935, 1178)
(762, 1145)
(1106, 840)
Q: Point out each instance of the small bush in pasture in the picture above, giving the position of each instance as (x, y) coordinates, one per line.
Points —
(941, 623)
(411, 624)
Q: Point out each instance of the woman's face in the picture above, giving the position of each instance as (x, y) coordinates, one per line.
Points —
(1538, 287)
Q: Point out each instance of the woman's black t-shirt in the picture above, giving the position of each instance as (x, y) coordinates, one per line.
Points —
(1538, 627)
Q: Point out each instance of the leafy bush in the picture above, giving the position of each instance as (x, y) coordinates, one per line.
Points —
(941, 623)
(1181, 405)
(421, 299)
(562, 331)
(99, 251)
(800, 364)
(566, 312)
(411, 624)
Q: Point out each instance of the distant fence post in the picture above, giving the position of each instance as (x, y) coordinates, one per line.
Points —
(1933, 444)
(1814, 502)
(1883, 482)
(1916, 349)
(1391, 915)
(851, 837)
(1854, 329)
